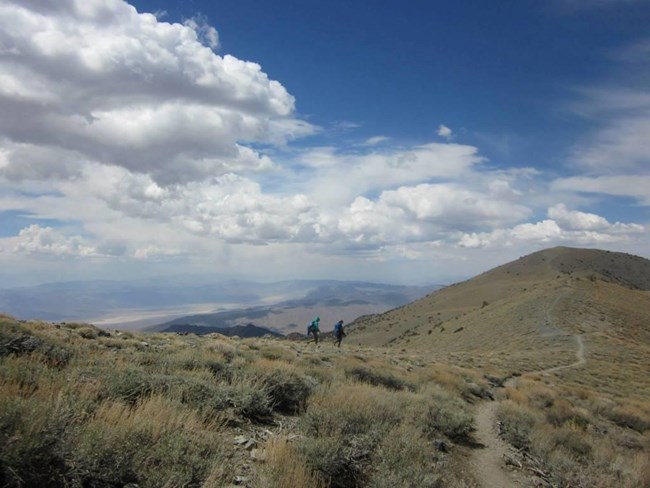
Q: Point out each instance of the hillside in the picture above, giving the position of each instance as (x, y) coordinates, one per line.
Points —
(535, 373)
(524, 315)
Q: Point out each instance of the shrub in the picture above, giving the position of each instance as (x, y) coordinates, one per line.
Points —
(14, 341)
(573, 441)
(105, 456)
(448, 415)
(561, 413)
(366, 375)
(404, 459)
(344, 426)
(87, 332)
(249, 399)
(287, 390)
(34, 437)
(628, 416)
(128, 385)
(154, 443)
(517, 423)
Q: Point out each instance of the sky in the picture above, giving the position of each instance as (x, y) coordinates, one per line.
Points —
(410, 142)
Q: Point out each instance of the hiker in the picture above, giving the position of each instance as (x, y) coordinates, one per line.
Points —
(313, 329)
(339, 333)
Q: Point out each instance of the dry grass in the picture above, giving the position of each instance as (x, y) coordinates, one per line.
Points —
(284, 468)
(162, 410)
(79, 407)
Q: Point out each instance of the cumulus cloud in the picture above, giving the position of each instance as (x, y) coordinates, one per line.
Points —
(575, 220)
(426, 212)
(46, 240)
(377, 170)
(100, 82)
(444, 131)
(563, 227)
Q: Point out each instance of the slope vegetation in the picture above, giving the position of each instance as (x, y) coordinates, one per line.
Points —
(523, 316)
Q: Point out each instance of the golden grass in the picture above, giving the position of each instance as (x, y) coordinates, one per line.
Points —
(379, 435)
(283, 467)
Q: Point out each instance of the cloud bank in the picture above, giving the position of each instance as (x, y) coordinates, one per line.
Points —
(136, 140)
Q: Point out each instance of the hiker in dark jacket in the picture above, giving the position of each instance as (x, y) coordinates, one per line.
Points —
(339, 333)
(313, 329)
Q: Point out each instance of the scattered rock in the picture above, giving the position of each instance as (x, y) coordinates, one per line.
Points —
(494, 380)
(247, 443)
(240, 480)
(441, 445)
(22, 344)
(258, 455)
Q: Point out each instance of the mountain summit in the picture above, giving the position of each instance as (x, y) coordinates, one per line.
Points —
(528, 312)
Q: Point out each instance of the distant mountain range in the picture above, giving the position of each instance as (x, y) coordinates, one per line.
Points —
(330, 300)
(276, 306)
(248, 330)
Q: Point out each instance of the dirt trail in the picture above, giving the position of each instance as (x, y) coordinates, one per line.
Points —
(487, 463)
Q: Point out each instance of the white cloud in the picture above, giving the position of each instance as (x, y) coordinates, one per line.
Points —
(620, 147)
(373, 141)
(206, 33)
(343, 176)
(101, 82)
(575, 220)
(621, 115)
(46, 240)
(444, 131)
(633, 186)
(563, 227)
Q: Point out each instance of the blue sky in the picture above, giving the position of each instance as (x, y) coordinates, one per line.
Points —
(389, 141)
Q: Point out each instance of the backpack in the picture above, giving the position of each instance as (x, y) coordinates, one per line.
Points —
(338, 329)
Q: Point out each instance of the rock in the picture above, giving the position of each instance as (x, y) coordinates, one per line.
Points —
(22, 344)
(247, 443)
(441, 445)
(258, 455)
(240, 480)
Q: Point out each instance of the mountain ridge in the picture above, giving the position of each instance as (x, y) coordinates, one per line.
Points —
(525, 314)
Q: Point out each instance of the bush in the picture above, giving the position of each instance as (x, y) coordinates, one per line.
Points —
(448, 415)
(630, 418)
(561, 413)
(390, 382)
(34, 437)
(343, 427)
(288, 391)
(14, 341)
(404, 460)
(128, 385)
(250, 399)
(517, 423)
(104, 456)
(573, 441)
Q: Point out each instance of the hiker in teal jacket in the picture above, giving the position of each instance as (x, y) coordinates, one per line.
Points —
(313, 329)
